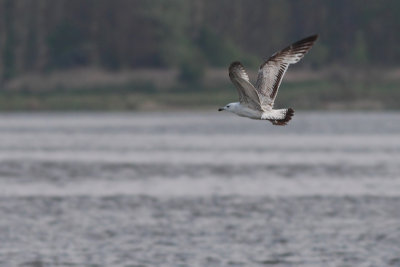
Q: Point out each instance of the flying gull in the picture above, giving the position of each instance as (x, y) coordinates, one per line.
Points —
(258, 102)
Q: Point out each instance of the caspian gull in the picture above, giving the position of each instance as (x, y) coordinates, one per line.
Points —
(258, 102)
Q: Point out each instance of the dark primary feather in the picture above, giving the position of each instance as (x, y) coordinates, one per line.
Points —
(272, 70)
(236, 69)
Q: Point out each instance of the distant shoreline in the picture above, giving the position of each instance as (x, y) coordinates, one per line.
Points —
(157, 90)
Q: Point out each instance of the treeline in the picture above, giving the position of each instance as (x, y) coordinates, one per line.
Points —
(44, 35)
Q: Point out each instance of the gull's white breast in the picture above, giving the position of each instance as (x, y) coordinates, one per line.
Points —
(244, 111)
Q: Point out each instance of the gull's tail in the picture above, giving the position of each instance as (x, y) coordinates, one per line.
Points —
(283, 116)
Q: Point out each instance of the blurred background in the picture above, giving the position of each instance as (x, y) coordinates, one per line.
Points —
(174, 54)
(112, 152)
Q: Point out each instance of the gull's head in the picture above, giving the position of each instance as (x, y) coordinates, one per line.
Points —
(230, 107)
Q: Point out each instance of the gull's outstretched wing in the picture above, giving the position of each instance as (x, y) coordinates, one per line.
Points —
(271, 71)
(247, 93)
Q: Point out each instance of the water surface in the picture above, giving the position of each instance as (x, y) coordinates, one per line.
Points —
(199, 189)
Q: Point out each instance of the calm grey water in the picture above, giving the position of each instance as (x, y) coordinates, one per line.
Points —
(199, 189)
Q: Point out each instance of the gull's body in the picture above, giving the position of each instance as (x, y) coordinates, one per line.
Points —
(245, 111)
(257, 102)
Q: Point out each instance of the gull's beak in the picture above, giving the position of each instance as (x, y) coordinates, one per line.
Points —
(221, 109)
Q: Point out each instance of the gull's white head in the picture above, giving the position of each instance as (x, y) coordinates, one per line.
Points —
(231, 107)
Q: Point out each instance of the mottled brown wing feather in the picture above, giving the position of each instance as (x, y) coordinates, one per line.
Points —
(247, 93)
(236, 69)
(272, 71)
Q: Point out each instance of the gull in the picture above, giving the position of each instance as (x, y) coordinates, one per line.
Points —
(257, 102)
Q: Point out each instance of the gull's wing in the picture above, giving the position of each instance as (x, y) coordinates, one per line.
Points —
(271, 71)
(247, 93)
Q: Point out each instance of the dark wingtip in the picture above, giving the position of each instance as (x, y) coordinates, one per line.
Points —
(305, 43)
(234, 64)
(310, 39)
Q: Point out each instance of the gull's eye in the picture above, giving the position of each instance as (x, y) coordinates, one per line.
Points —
(227, 106)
